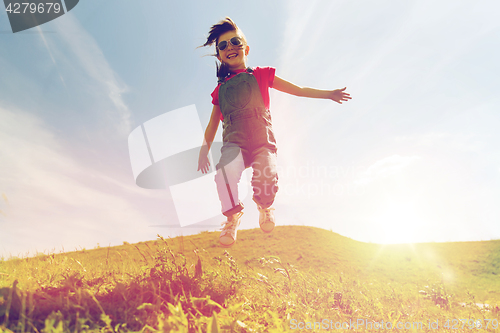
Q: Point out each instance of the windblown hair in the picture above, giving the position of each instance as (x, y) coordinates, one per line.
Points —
(215, 32)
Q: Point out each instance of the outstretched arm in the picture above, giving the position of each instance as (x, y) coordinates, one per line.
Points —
(213, 124)
(337, 95)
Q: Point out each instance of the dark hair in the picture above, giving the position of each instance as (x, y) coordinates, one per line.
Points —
(215, 32)
(220, 28)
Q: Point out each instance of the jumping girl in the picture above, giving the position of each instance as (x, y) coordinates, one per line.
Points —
(241, 101)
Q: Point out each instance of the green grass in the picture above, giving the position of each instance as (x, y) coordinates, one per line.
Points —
(265, 283)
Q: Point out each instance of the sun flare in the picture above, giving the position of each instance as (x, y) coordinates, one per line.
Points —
(400, 222)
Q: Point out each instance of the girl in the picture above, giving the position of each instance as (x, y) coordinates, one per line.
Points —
(241, 101)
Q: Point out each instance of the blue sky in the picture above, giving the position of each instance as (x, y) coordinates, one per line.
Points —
(412, 158)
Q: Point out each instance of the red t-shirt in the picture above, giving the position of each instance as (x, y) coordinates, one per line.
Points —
(264, 77)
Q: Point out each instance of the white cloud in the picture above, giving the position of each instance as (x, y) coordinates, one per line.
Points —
(445, 141)
(386, 167)
(49, 199)
(93, 61)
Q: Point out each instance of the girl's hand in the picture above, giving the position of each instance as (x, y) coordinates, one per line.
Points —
(203, 161)
(339, 96)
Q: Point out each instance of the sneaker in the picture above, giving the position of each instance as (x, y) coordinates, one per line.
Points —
(228, 234)
(266, 219)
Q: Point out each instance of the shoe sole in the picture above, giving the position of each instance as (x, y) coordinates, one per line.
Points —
(228, 245)
(223, 245)
(267, 232)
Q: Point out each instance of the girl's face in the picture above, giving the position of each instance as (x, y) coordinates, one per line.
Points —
(234, 56)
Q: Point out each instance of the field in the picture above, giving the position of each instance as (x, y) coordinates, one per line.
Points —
(295, 279)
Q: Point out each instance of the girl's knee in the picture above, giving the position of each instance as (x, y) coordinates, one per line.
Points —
(264, 195)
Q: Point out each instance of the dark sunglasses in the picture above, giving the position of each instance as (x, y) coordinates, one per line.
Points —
(235, 41)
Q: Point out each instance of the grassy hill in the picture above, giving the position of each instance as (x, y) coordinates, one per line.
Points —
(296, 277)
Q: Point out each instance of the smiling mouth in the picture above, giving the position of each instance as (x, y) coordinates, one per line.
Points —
(231, 56)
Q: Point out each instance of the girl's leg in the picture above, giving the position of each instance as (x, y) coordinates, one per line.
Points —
(229, 170)
(265, 177)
